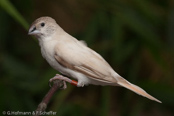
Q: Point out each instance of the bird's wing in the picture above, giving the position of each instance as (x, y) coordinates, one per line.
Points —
(91, 64)
(84, 60)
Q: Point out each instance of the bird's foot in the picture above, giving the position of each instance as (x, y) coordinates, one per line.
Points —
(64, 79)
(64, 85)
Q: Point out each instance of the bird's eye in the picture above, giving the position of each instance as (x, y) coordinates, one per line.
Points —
(42, 24)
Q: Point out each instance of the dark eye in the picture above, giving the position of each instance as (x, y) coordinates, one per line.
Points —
(42, 24)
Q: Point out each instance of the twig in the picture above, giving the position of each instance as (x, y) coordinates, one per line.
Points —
(43, 105)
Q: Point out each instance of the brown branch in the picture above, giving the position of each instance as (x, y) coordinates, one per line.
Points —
(43, 105)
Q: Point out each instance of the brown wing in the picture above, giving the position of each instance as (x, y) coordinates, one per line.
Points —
(88, 62)
(85, 61)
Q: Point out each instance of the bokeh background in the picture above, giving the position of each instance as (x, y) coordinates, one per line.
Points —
(136, 37)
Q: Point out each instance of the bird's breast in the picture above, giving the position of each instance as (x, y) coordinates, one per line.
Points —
(47, 50)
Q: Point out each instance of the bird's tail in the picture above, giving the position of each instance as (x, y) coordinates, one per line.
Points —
(124, 83)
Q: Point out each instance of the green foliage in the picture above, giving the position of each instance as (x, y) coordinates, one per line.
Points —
(11, 10)
(136, 37)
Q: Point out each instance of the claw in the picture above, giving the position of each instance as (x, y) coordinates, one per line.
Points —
(50, 81)
(64, 85)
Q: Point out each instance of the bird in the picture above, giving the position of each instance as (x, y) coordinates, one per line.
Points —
(73, 58)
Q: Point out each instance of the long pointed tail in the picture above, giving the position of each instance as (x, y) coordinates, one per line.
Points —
(124, 83)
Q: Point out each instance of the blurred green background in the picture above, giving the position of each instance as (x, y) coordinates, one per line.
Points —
(136, 37)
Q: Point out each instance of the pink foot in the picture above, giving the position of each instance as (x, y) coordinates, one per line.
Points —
(64, 79)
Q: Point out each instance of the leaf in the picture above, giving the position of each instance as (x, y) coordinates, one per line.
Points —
(11, 10)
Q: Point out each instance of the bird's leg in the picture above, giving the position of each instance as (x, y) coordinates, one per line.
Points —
(63, 78)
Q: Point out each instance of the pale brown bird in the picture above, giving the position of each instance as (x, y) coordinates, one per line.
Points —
(74, 59)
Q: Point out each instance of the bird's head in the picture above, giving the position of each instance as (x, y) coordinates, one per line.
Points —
(43, 27)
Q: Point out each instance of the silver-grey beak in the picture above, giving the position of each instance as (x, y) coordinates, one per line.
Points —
(33, 31)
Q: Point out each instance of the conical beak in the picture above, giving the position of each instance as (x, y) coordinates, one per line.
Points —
(33, 31)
